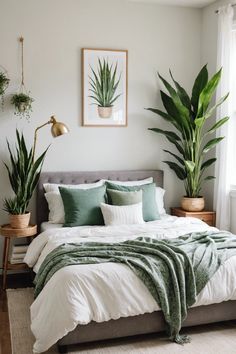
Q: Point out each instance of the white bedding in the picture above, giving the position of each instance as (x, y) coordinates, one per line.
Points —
(81, 293)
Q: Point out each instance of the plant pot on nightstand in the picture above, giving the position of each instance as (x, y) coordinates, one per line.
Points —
(192, 204)
(19, 221)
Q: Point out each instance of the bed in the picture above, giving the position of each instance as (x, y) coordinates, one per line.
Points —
(133, 322)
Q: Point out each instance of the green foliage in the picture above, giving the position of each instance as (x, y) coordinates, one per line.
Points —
(104, 84)
(4, 82)
(188, 117)
(23, 174)
(23, 104)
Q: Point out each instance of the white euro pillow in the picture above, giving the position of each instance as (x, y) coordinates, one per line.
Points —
(122, 214)
(53, 187)
(130, 183)
(160, 200)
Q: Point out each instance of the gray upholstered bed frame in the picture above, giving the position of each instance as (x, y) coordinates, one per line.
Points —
(136, 325)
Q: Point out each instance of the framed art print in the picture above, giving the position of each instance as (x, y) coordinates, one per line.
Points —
(104, 87)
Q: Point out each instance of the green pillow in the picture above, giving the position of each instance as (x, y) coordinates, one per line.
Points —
(124, 198)
(150, 210)
(82, 206)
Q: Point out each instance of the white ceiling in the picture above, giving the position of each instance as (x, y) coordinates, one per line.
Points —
(188, 3)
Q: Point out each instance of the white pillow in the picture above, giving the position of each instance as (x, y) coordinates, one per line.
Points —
(53, 187)
(160, 200)
(122, 215)
(56, 208)
(130, 183)
(55, 203)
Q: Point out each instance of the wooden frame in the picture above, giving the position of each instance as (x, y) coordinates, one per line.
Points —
(93, 114)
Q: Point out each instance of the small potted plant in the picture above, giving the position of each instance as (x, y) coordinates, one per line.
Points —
(191, 138)
(4, 82)
(23, 104)
(104, 86)
(23, 172)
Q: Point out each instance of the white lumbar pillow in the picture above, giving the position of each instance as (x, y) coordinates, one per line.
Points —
(122, 215)
(130, 183)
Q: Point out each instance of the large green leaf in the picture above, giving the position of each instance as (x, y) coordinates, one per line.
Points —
(183, 111)
(218, 124)
(198, 86)
(164, 115)
(182, 94)
(167, 133)
(180, 172)
(175, 156)
(207, 93)
(208, 163)
(211, 144)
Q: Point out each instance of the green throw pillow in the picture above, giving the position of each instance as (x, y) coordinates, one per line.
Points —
(124, 198)
(150, 210)
(82, 206)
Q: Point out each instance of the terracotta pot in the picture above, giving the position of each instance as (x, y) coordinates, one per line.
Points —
(20, 221)
(104, 112)
(192, 204)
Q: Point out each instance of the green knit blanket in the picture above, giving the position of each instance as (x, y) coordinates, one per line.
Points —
(174, 270)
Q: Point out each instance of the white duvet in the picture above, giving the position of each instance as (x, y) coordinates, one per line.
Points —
(99, 292)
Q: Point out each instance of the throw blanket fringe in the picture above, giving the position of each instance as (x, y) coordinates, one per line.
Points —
(174, 270)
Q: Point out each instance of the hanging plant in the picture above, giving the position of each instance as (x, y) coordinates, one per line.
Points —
(23, 104)
(4, 82)
(22, 100)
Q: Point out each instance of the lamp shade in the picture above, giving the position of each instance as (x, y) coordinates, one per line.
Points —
(58, 128)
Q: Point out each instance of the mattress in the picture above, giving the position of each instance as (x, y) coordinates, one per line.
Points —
(80, 294)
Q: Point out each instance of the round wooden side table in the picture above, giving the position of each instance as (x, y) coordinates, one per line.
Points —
(9, 233)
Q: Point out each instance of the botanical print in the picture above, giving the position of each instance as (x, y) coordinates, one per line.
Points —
(104, 87)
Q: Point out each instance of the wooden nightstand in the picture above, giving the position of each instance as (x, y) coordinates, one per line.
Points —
(208, 217)
(9, 233)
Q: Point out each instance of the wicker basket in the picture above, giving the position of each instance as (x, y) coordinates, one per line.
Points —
(19, 221)
(192, 204)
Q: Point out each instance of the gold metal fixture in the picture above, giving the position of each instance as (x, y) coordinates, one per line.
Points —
(57, 129)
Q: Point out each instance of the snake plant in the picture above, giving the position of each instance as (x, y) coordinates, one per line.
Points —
(188, 116)
(23, 174)
(104, 84)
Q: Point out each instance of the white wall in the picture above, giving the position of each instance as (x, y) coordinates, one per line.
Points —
(157, 38)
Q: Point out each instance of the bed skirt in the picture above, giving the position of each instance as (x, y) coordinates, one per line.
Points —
(146, 323)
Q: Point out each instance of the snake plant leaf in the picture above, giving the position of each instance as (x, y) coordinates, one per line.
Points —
(207, 93)
(167, 133)
(198, 86)
(190, 165)
(218, 124)
(175, 156)
(212, 143)
(180, 172)
(184, 97)
(208, 163)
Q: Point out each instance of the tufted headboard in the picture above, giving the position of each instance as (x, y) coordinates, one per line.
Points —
(86, 177)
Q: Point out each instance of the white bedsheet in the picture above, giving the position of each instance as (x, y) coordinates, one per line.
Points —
(81, 293)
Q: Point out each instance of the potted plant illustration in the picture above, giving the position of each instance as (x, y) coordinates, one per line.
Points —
(103, 86)
(191, 138)
(4, 82)
(23, 104)
(24, 172)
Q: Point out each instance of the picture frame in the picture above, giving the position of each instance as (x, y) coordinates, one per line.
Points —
(104, 87)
